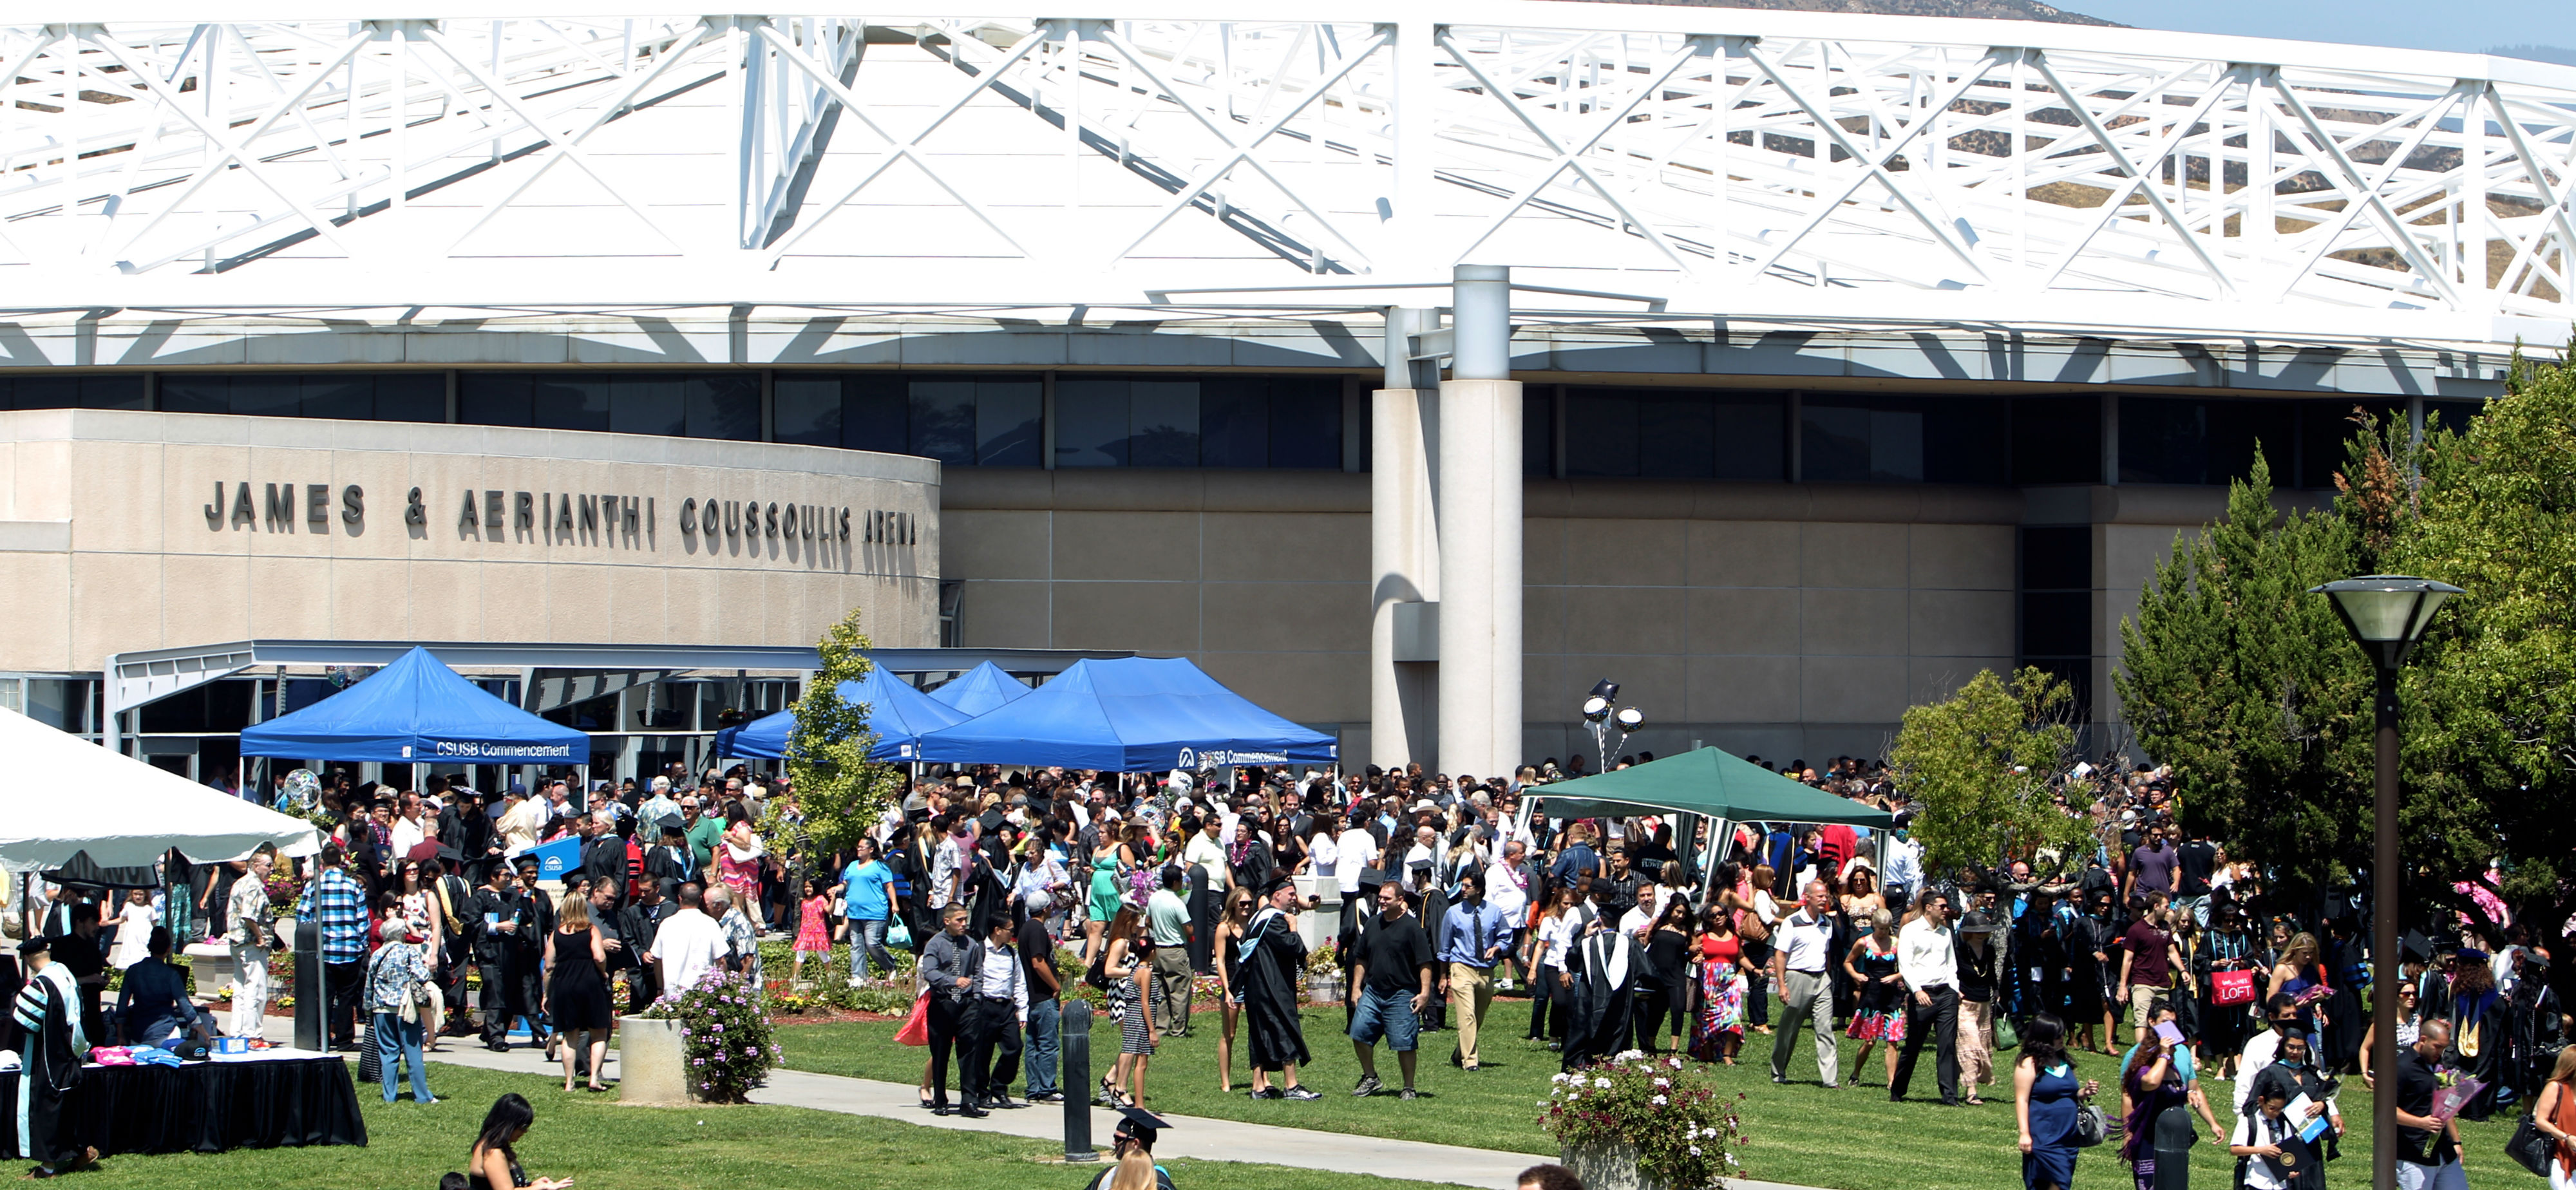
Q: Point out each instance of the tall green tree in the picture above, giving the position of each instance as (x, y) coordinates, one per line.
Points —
(839, 791)
(2491, 696)
(1976, 766)
(2253, 691)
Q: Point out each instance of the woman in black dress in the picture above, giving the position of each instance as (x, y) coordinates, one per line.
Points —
(1666, 988)
(577, 991)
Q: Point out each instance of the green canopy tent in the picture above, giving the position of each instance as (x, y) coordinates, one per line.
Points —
(1708, 782)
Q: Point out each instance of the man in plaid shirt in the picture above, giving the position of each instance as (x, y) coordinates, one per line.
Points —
(335, 901)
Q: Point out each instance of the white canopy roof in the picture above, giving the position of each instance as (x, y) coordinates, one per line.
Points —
(71, 796)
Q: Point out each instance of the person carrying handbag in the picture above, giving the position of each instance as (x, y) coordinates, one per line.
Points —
(398, 994)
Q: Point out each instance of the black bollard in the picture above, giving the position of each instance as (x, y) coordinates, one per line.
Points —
(1074, 1038)
(312, 997)
(2174, 1137)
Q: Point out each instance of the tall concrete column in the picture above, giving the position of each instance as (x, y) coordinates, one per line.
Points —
(1404, 556)
(1480, 532)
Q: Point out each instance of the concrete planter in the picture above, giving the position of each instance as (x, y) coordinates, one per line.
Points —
(1607, 1167)
(652, 1063)
(1323, 987)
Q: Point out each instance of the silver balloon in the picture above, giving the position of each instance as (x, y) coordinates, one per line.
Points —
(301, 787)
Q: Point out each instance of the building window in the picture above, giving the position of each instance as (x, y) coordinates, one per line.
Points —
(2326, 429)
(116, 390)
(354, 396)
(2184, 441)
(1876, 438)
(2056, 612)
(1674, 433)
(987, 421)
(1219, 421)
(723, 405)
(2057, 440)
(2450, 415)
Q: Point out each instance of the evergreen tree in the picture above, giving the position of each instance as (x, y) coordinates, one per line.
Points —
(839, 791)
(2252, 689)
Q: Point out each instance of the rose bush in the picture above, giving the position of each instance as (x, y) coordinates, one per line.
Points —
(1684, 1132)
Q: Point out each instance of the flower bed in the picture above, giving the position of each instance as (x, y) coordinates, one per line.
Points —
(1681, 1132)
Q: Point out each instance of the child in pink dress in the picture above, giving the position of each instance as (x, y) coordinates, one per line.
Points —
(813, 927)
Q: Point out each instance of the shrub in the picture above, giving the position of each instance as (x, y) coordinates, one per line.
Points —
(726, 1035)
(1685, 1134)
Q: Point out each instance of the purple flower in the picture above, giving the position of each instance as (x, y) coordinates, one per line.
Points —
(697, 1062)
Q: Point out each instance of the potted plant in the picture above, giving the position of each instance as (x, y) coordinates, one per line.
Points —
(1641, 1122)
(1323, 975)
(710, 1043)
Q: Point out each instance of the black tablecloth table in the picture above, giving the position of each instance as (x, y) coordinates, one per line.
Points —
(205, 1107)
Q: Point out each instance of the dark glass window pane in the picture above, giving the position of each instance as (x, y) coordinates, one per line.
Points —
(2057, 625)
(119, 391)
(2438, 415)
(48, 392)
(1600, 431)
(1538, 431)
(1090, 423)
(943, 420)
(1896, 445)
(267, 395)
(1164, 418)
(492, 398)
(2057, 440)
(1306, 424)
(195, 394)
(1963, 440)
(2163, 441)
(1750, 445)
(411, 396)
(725, 406)
(1234, 423)
(641, 405)
(1007, 429)
(808, 409)
(2235, 430)
(349, 398)
(568, 402)
(1833, 442)
(2077, 674)
(1676, 435)
(876, 414)
(2058, 559)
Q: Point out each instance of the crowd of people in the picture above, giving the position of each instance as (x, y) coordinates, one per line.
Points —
(1621, 934)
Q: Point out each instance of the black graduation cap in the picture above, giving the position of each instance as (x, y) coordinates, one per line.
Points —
(2416, 946)
(1371, 879)
(1139, 1125)
(1276, 883)
(671, 822)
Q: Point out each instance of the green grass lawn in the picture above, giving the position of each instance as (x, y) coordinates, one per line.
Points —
(608, 1147)
(1850, 1139)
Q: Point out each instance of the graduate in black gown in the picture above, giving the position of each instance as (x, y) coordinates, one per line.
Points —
(45, 1030)
(1601, 972)
(2481, 1032)
(1271, 961)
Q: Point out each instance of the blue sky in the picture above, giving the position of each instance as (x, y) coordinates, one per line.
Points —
(2469, 25)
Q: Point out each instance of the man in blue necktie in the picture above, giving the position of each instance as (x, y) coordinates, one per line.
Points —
(1473, 935)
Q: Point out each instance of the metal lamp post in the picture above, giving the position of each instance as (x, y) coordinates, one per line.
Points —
(2387, 613)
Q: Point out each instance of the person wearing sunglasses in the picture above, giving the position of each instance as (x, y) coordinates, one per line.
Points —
(2410, 1019)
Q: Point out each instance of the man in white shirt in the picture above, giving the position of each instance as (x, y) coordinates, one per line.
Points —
(997, 1007)
(1904, 868)
(1927, 959)
(689, 944)
(1205, 851)
(1806, 996)
(408, 831)
(1358, 849)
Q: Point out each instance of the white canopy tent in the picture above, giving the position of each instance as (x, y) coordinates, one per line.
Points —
(70, 797)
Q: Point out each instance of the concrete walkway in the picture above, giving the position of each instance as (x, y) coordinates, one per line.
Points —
(1191, 1136)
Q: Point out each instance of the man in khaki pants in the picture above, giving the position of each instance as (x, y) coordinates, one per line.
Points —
(1473, 936)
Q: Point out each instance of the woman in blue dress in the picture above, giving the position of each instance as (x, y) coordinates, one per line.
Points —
(2044, 1093)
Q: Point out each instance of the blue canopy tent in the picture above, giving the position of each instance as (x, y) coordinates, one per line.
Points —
(897, 712)
(1133, 714)
(417, 710)
(981, 690)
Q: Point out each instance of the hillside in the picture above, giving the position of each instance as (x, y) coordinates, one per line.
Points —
(1998, 10)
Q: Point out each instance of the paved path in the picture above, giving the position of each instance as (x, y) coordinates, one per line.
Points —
(1191, 1136)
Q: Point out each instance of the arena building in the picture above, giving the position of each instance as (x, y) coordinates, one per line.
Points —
(1410, 366)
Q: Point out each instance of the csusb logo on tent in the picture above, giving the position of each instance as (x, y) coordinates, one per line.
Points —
(1217, 758)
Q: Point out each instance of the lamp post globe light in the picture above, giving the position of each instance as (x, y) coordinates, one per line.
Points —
(2387, 614)
(1603, 714)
